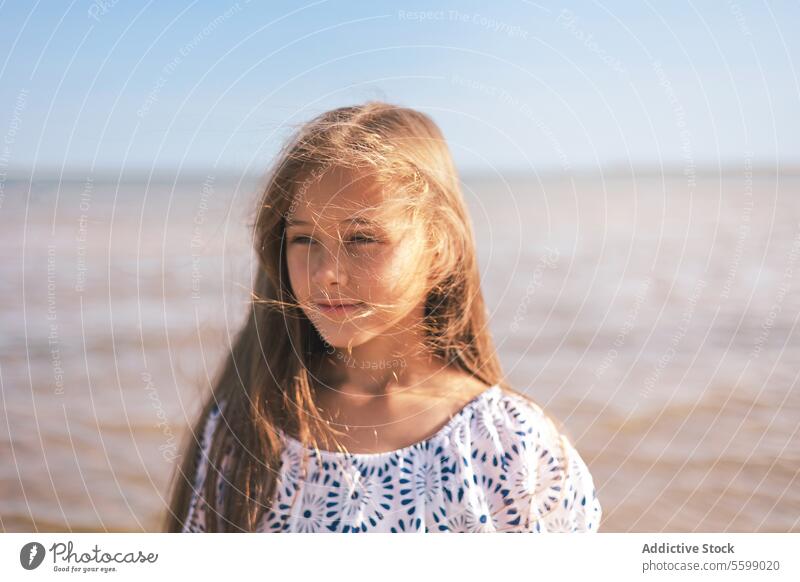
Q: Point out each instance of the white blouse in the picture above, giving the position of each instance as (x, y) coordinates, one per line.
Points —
(498, 465)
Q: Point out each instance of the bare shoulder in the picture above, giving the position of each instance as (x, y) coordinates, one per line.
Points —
(462, 385)
(458, 387)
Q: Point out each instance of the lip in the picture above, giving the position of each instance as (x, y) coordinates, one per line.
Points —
(342, 308)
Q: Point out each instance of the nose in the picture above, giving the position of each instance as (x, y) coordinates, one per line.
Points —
(327, 269)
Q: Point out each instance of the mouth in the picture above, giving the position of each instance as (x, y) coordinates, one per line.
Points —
(339, 308)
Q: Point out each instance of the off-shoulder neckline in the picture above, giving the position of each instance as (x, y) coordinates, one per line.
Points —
(295, 444)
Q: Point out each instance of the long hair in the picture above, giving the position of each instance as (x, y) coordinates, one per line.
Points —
(264, 383)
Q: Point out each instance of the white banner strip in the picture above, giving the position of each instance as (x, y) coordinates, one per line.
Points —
(333, 557)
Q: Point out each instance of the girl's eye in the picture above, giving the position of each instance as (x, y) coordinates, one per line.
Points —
(362, 239)
(357, 239)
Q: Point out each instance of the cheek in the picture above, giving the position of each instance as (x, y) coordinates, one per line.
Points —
(297, 266)
(393, 272)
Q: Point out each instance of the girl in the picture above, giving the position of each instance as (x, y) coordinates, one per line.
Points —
(363, 393)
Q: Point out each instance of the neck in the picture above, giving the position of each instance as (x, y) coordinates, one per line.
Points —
(367, 371)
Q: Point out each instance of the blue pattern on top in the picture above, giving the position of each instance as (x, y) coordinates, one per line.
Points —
(498, 465)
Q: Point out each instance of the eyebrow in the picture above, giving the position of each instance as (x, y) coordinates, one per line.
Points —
(365, 221)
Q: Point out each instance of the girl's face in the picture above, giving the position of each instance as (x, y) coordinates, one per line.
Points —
(356, 261)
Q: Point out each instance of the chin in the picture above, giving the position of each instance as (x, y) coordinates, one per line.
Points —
(343, 340)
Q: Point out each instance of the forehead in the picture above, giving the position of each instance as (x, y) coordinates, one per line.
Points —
(342, 195)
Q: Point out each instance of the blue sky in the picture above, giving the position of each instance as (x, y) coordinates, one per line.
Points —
(514, 85)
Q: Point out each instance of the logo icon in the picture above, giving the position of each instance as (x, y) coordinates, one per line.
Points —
(31, 555)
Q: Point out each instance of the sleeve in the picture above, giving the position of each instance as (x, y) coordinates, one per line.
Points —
(577, 509)
(548, 481)
(196, 513)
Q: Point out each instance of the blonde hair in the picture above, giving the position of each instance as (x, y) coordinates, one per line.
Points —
(264, 383)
